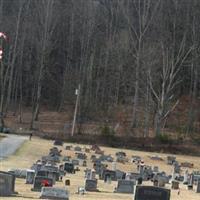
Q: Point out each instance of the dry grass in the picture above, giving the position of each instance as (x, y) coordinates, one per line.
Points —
(33, 150)
(1, 137)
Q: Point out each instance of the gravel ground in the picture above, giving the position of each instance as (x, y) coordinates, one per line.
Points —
(10, 144)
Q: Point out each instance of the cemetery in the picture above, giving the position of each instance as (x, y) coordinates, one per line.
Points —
(45, 169)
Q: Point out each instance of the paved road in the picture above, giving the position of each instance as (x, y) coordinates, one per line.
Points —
(10, 144)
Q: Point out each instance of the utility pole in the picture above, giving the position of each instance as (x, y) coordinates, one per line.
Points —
(4, 37)
(76, 108)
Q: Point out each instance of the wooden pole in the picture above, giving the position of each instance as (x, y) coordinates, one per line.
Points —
(76, 109)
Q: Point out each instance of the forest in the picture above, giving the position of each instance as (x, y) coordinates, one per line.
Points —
(143, 55)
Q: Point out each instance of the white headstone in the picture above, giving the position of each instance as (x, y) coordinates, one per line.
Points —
(54, 193)
(114, 166)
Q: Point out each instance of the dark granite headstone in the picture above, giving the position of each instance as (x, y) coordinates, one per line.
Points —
(69, 167)
(151, 193)
(40, 182)
(7, 184)
(58, 142)
(108, 173)
(91, 185)
(198, 186)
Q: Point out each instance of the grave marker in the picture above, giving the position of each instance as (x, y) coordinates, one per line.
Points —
(175, 185)
(171, 160)
(7, 184)
(77, 148)
(91, 185)
(54, 193)
(69, 167)
(151, 193)
(40, 182)
(198, 186)
(125, 186)
(30, 174)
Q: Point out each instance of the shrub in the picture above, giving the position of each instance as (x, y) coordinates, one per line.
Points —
(164, 139)
(107, 131)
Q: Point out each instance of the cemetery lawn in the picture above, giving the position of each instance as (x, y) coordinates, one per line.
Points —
(33, 150)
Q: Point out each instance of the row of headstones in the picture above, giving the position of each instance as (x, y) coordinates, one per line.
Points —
(46, 174)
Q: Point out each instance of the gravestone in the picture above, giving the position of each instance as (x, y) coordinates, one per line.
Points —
(43, 173)
(128, 176)
(173, 177)
(171, 160)
(68, 148)
(7, 184)
(36, 166)
(139, 181)
(109, 158)
(120, 153)
(90, 174)
(198, 186)
(135, 176)
(58, 143)
(69, 167)
(30, 174)
(54, 193)
(98, 167)
(87, 150)
(18, 173)
(175, 185)
(125, 186)
(81, 156)
(155, 183)
(93, 158)
(151, 193)
(99, 152)
(91, 185)
(136, 159)
(156, 157)
(185, 180)
(54, 152)
(75, 162)
(95, 147)
(177, 167)
(120, 174)
(191, 182)
(196, 176)
(121, 159)
(108, 173)
(54, 175)
(77, 148)
(161, 181)
(40, 182)
(114, 166)
(51, 159)
(84, 164)
(66, 158)
(155, 169)
(67, 182)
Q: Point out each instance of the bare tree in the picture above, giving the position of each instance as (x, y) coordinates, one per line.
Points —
(139, 15)
(44, 9)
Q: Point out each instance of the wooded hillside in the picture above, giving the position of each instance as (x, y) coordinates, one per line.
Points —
(137, 55)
